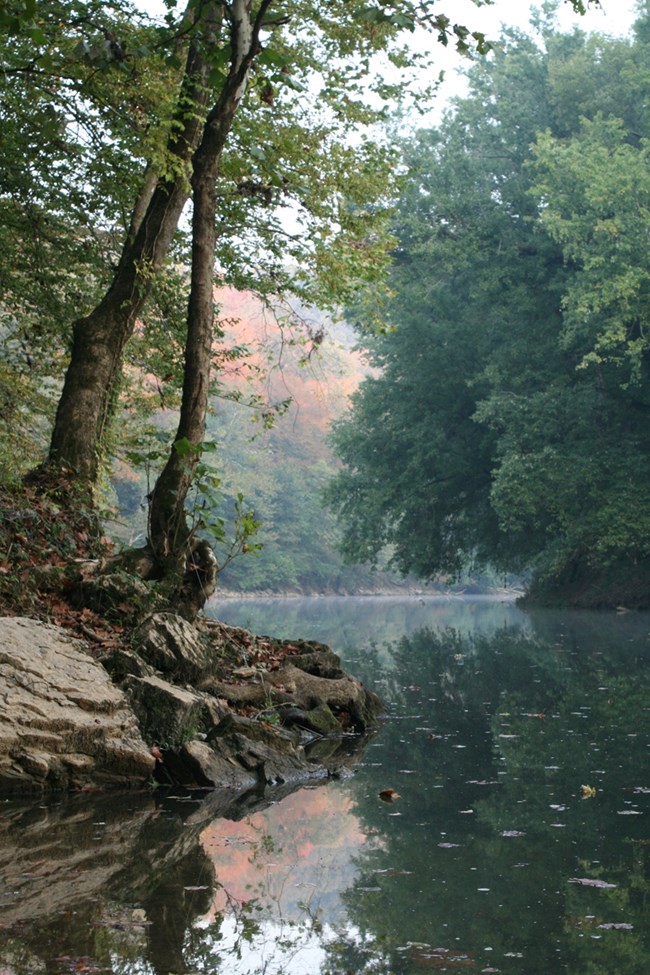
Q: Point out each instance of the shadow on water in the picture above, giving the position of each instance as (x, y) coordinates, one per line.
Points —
(491, 858)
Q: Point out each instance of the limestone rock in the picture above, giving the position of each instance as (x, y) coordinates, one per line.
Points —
(320, 661)
(355, 707)
(320, 719)
(172, 645)
(63, 724)
(122, 663)
(243, 754)
(199, 764)
(168, 715)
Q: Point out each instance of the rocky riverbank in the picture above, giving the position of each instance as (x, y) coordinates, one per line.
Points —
(200, 705)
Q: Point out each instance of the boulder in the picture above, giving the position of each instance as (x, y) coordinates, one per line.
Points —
(168, 715)
(122, 663)
(172, 645)
(63, 724)
(241, 754)
(198, 764)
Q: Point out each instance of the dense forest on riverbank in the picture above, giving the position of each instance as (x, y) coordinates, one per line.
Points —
(494, 269)
(507, 421)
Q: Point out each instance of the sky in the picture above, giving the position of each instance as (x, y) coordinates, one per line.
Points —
(613, 17)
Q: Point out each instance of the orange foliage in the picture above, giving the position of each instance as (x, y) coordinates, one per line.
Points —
(273, 856)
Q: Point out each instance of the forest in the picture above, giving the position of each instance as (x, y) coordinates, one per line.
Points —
(506, 421)
(492, 268)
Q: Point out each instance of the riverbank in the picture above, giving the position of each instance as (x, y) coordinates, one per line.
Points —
(106, 684)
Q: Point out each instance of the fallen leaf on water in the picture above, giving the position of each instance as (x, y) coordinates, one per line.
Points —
(587, 791)
(609, 926)
(393, 872)
(590, 882)
(441, 958)
(79, 964)
(512, 832)
(389, 795)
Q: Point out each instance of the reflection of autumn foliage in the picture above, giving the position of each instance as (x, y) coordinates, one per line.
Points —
(299, 851)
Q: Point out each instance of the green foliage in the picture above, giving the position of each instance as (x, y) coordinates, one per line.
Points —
(507, 419)
(596, 194)
(88, 92)
(89, 97)
(75, 132)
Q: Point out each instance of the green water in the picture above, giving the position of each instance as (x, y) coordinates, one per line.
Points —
(489, 860)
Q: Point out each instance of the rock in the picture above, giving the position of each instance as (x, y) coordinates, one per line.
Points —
(319, 719)
(168, 715)
(172, 645)
(63, 724)
(242, 754)
(198, 764)
(258, 731)
(125, 663)
(319, 661)
(355, 707)
(315, 681)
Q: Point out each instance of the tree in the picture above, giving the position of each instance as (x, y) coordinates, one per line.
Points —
(72, 116)
(85, 404)
(344, 243)
(505, 423)
(347, 31)
(169, 531)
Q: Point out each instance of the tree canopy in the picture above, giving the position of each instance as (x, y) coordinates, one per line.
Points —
(507, 420)
(249, 111)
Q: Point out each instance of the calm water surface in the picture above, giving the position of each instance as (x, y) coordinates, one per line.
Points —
(519, 745)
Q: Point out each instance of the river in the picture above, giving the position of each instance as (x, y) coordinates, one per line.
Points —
(498, 821)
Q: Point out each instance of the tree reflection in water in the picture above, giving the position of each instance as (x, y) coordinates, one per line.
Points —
(491, 860)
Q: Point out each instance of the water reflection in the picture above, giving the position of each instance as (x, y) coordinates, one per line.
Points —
(348, 622)
(492, 859)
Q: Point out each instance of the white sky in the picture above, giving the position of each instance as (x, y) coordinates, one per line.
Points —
(614, 17)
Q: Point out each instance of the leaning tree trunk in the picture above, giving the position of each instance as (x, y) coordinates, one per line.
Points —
(99, 338)
(185, 561)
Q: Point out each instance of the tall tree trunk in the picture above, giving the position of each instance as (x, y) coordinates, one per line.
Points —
(180, 556)
(100, 337)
